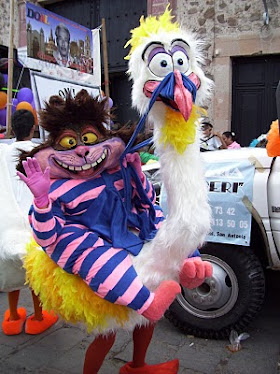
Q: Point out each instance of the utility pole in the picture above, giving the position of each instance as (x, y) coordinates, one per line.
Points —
(105, 58)
(10, 70)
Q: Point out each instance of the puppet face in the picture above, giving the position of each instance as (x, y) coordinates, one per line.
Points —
(160, 54)
(80, 155)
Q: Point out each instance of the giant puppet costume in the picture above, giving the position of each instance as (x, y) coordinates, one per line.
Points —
(109, 259)
(15, 232)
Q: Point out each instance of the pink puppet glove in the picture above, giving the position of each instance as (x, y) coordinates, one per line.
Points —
(194, 272)
(37, 181)
(135, 160)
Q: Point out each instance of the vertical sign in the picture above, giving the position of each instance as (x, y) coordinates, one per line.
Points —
(230, 190)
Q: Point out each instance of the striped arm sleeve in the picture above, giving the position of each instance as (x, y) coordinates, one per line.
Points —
(47, 223)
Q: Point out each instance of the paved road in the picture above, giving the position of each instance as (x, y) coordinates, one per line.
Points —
(61, 349)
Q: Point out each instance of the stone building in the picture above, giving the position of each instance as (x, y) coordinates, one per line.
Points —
(242, 45)
(243, 58)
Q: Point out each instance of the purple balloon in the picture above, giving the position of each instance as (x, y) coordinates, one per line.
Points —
(14, 105)
(3, 114)
(33, 104)
(25, 94)
(110, 101)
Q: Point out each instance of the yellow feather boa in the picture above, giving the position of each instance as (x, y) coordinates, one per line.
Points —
(179, 132)
(67, 294)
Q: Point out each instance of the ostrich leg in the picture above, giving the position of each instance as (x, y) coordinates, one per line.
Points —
(141, 339)
(97, 352)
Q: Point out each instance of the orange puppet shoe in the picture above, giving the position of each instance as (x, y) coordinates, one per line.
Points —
(170, 367)
(13, 327)
(34, 327)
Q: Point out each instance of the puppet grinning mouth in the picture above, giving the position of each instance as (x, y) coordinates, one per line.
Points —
(84, 167)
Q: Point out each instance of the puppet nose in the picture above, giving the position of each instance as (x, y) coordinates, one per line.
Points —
(82, 151)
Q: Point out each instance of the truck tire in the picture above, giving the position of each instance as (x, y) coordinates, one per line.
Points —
(229, 300)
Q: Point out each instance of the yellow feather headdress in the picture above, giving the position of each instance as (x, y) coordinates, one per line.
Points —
(151, 25)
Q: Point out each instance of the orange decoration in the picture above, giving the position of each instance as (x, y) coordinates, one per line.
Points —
(24, 105)
(3, 100)
(27, 106)
(273, 140)
(35, 116)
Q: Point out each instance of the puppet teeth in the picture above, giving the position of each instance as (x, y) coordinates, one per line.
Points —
(78, 168)
(86, 167)
(71, 168)
(94, 164)
(99, 160)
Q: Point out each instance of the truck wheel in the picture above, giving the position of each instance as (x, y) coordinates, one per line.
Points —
(229, 300)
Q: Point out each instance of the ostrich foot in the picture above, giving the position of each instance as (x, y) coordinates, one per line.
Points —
(14, 327)
(34, 327)
(194, 272)
(164, 296)
(170, 367)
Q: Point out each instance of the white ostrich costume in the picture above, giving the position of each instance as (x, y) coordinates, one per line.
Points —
(159, 49)
(15, 231)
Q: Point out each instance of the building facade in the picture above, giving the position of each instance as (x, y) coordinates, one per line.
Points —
(242, 48)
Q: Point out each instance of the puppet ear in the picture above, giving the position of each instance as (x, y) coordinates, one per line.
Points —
(82, 96)
(55, 101)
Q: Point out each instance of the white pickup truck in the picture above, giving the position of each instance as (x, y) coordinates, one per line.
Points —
(232, 298)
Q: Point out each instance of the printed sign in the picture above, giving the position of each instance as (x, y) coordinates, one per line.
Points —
(44, 86)
(57, 40)
(230, 189)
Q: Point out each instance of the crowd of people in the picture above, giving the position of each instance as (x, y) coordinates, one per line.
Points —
(211, 140)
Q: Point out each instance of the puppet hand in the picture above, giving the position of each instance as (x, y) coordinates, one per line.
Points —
(37, 181)
(194, 272)
(134, 160)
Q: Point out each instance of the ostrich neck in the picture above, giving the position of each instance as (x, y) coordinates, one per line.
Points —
(188, 219)
(181, 175)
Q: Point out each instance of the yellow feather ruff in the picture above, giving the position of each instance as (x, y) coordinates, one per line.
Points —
(68, 295)
(151, 25)
(273, 140)
(178, 132)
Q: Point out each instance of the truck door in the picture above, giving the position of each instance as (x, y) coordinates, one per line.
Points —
(274, 202)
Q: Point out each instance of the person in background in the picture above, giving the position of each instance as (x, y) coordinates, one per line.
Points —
(229, 139)
(108, 107)
(210, 140)
(13, 242)
(259, 142)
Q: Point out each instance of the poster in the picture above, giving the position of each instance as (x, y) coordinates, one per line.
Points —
(44, 86)
(57, 40)
(230, 191)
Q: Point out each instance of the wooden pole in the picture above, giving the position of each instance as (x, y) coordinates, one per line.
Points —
(10, 71)
(105, 58)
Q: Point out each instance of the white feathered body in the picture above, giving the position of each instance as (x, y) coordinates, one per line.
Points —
(15, 230)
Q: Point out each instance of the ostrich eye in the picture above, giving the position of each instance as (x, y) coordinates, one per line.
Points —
(68, 142)
(89, 138)
(161, 64)
(181, 61)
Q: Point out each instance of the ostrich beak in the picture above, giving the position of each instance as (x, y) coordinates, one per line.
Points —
(182, 97)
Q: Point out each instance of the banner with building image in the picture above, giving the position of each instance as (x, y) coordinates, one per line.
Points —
(54, 39)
